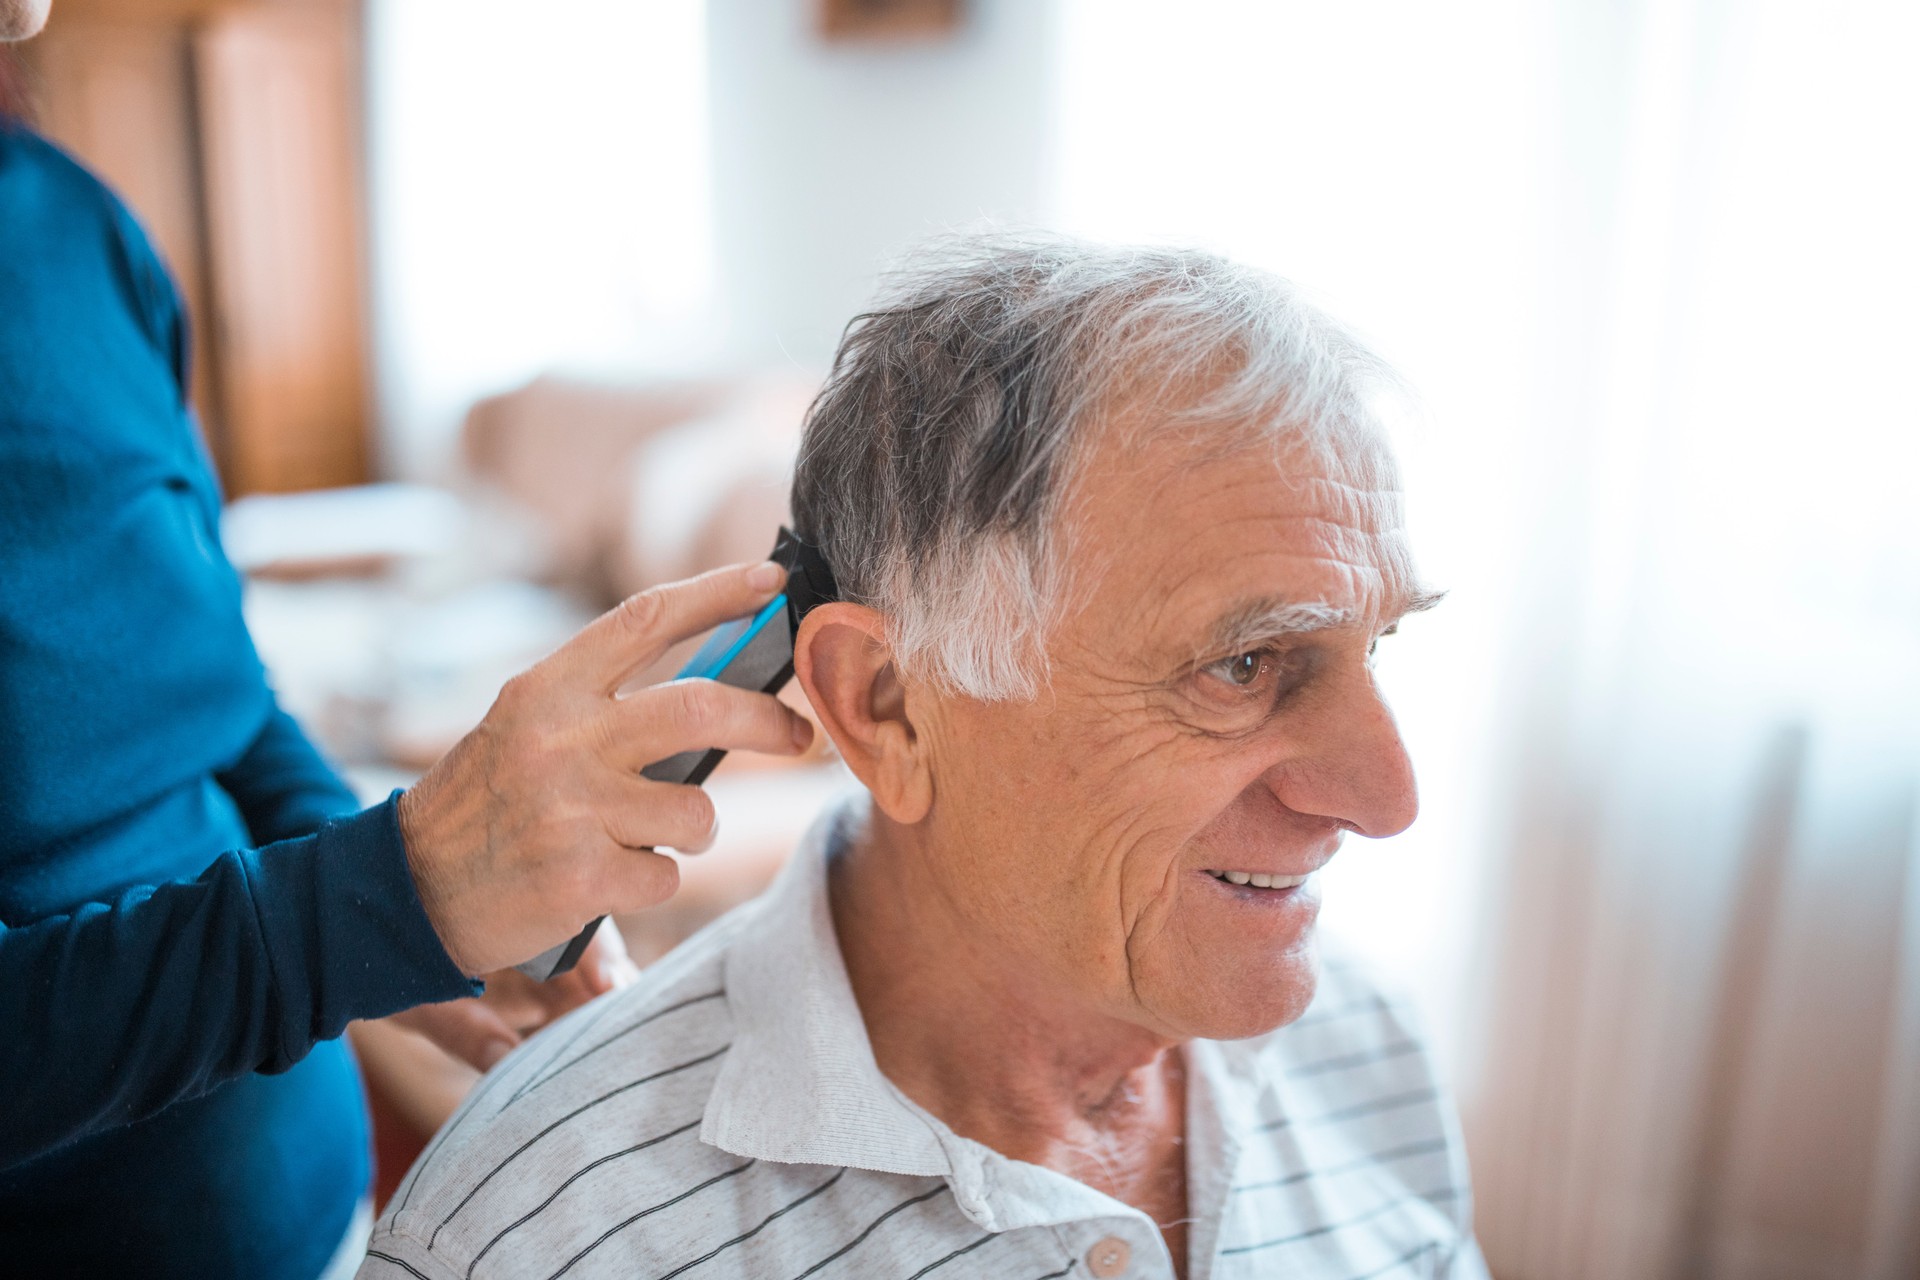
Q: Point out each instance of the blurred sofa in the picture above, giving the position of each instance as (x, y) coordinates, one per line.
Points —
(390, 616)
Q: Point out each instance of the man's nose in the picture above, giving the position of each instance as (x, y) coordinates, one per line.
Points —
(1354, 768)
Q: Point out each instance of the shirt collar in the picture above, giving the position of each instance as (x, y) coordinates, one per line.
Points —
(800, 1084)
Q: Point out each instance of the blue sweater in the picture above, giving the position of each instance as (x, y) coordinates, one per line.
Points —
(190, 909)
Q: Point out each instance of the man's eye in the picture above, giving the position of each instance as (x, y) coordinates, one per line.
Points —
(1244, 669)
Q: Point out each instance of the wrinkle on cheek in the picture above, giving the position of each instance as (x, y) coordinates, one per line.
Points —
(1143, 925)
(1108, 847)
(1134, 788)
(1134, 856)
(1145, 920)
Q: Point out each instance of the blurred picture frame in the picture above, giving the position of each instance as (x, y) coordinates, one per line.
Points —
(886, 20)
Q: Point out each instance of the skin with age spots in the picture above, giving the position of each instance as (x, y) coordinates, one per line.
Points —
(1033, 921)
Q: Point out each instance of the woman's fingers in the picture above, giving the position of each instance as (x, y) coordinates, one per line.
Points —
(699, 715)
(604, 966)
(642, 627)
(481, 1030)
(607, 958)
(517, 1000)
(644, 814)
(466, 1029)
(634, 878)
(537, 820)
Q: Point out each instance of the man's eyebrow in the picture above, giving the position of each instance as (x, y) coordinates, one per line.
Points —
(1265, 620)
(1419, 600)
(1262, 621)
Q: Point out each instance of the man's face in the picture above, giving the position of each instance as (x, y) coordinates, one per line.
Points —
(20, 19)
(1212, 719)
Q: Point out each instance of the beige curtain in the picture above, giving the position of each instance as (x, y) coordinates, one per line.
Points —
(1701, 1056)
(1651, 266)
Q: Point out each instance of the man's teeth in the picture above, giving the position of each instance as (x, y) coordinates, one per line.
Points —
(1259, 880)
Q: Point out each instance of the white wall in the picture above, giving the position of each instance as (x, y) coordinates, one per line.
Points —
(665, 187)
(829, 158)
(539, 198)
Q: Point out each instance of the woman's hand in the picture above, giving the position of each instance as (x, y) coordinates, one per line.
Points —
(539, 821)
(485, 1028)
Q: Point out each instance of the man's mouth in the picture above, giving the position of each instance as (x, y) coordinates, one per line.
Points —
(1258, 879)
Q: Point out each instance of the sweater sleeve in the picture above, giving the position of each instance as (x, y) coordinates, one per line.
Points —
(119, 1009)
(283, 786)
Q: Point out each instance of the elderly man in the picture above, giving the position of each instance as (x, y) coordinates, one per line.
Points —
(1116, 539)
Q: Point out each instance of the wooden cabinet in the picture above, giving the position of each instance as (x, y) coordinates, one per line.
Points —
(233, 129)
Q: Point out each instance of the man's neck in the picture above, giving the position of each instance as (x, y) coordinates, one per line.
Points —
(988, 1044)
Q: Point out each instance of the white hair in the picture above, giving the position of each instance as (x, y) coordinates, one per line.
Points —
(937, 460)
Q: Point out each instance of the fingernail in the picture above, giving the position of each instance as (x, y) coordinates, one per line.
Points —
(493, 1051)
(802, 734)
(767, 576)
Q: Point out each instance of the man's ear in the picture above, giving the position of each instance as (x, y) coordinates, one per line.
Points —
(846, 666)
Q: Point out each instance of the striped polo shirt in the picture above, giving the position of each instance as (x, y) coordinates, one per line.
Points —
(724, 1117)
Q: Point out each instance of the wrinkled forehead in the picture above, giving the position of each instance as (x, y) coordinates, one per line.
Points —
(1183, 532)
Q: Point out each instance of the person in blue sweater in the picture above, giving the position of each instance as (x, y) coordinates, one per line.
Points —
(192, 903)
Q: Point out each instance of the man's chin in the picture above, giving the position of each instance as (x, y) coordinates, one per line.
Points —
(1247, 1023)
(1268, 994)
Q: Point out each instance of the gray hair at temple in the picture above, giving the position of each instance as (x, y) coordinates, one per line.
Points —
(938, 460)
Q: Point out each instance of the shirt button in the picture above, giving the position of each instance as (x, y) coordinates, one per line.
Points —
(1109, 1257)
